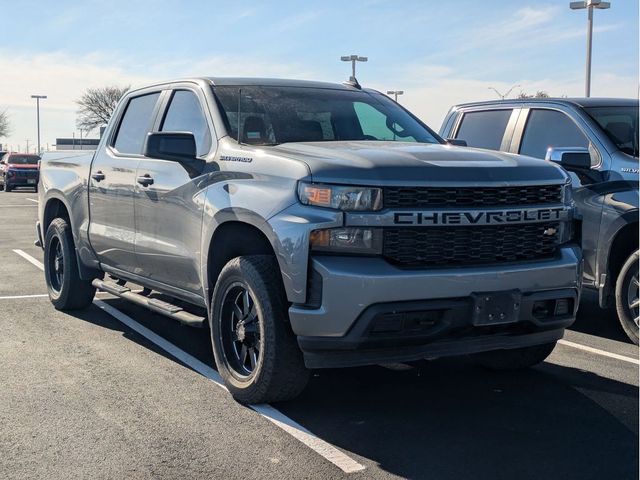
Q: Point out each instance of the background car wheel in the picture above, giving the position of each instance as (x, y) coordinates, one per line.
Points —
(255, 350)
(7, 188)
(627, 299)
(67, 290)
(515, 359)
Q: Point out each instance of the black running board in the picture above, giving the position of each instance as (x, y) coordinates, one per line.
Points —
(159, 306)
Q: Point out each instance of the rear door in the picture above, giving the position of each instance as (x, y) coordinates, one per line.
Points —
(486, 128)
(112, 183)
(167, 205)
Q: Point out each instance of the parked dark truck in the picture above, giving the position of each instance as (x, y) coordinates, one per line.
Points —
(596, 140)
(317, 225)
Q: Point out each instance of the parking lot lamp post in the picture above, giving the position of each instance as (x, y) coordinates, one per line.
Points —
(589, 5)
(502, 97)
(353, 59)
(395, 94)
(38, 97)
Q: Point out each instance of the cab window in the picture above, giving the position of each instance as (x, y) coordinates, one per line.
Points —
(550, 128)
(484, 129)
(135, 124)
(185, 115)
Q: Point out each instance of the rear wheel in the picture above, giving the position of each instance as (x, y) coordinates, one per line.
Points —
(67, 291)
(515, 359)
(627, 298)
(255, 350)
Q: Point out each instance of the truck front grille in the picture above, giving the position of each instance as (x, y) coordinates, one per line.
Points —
(421, 197)
(474, 245)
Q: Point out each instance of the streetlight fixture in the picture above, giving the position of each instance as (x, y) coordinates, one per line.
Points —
(395, 94)
(589, 5)
(353, 59)
(502, 97)
(38, 97)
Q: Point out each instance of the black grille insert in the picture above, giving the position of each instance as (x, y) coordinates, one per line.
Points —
(417, 197)
(476, 245)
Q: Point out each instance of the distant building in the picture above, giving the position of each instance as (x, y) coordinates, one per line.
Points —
(77, 143)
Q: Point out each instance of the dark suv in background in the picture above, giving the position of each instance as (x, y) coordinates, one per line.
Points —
(596, 140)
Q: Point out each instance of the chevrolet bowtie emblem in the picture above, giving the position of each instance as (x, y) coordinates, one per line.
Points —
(550, 231)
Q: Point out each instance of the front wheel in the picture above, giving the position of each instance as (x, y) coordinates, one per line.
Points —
(515, 359)
(627, 298)
(255, 350)
(67, 291)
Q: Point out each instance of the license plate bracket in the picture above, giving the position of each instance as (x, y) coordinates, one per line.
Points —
(496, 308)
(31, 181)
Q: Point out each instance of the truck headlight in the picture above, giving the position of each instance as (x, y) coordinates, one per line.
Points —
(341, 197)
(348, 240)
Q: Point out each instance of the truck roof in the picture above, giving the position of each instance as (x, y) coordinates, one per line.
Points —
(250, 81)
(577, 101)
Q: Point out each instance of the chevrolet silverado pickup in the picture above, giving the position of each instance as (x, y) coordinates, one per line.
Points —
(311, 225)
(596, 141)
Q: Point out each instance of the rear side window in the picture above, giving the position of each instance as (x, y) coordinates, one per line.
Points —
(484, 129)
(550, 128)
(185, 115)
(135, 124)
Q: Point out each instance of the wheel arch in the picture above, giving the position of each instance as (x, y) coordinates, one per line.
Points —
(623, 244)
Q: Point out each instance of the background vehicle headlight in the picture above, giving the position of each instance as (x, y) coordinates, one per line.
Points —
(341, 197)
(363, 241)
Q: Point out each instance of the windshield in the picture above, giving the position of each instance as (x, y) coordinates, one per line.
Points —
(273, 115)
(23, 159)
(620, 124)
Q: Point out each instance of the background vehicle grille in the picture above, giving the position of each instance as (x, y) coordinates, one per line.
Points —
(456, 246)
(417, 197)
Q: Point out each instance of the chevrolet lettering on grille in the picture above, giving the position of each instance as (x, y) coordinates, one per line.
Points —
(460, 217)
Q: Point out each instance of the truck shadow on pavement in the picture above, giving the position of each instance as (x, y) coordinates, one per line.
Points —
(449, 419)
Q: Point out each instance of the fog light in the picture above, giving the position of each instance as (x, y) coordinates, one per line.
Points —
(562, 307)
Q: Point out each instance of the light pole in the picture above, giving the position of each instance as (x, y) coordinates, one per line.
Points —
(353, 59)
(38, 97)
(502, 97)
(395, 94)
(589, 5)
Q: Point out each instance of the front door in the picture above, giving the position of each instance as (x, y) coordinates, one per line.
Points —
(168, 202)
(112, 184)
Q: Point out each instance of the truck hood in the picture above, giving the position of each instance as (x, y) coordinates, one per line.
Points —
(399, 163)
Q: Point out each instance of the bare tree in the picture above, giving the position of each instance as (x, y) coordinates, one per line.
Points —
(5, 129)
(97, 106)
(538, 94)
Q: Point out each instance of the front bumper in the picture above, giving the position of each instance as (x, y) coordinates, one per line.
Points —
(339, 332)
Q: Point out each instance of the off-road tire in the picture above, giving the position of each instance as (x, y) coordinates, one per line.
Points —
(628, 273)
(71, 293)
(279, 373)
(515, 359)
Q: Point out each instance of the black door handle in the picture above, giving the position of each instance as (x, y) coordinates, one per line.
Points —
(145, 180)
(98, 176)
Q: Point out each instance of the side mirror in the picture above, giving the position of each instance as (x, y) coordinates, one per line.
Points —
(456, 142)
(573, 159)
(177, 147)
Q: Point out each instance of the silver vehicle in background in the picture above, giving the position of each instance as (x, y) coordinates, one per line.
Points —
(596, 141)
(312, 225)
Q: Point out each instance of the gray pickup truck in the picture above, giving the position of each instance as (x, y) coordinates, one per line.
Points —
(311, 225)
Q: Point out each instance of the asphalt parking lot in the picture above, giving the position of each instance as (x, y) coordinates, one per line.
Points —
(84, 395)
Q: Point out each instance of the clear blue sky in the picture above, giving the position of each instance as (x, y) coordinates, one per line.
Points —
(439, 52)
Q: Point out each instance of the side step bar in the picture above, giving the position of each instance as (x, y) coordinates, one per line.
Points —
(154, 304)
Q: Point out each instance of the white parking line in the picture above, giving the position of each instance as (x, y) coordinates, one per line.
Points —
(322, 448)
(30, 259)
(12, 297)
(597, 351)
(33, 200)
(14, 206)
